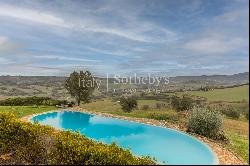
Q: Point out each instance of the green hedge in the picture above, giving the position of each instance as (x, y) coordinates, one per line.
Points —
(26, 101)
(35, 144)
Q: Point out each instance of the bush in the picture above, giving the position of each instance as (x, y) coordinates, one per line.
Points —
(205, 122)
(227, 110)
(128, 103)
(183, 103)
(145, 107)
(232, 113)
(83, 151)
(159, 105)
(172, 117)
(247, 115)
(29, 143)
(3, 88)
(35, 144)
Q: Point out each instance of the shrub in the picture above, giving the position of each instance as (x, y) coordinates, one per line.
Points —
(183, 103)
(35, 144)
(29, 143)
(172, 117)
(204, 122)
(227, 110)
(82, 151)
(232, 113)
(159, 105)
(247, 115)
(3, 88)
(145, 107)
(128, 103)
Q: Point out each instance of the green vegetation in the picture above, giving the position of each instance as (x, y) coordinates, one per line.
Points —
(231, 112)
(21, 111)
(237, 131)
(115, 109)
(205, 122)
(28, 101)
(227, 110)
(128, 103)
(80, 86)
(145, 107)
(238, 144)
(35, 144)
(183, 103)
(228, 94)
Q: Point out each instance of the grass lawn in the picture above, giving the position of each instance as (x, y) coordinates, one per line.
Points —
(238, 133)
(228, 94)
(238, 144)
(21, 111)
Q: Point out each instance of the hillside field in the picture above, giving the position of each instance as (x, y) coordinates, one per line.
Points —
(228, 94)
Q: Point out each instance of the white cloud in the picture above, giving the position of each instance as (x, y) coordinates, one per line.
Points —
(3, 40)
(29, 70)
(211, 67)
(56, 57)
(102, 51)
(138, 34)
(225, 33)
(232, 16)
(31, 15)
(214, 44)
(136, 30)
(3, 60)
(8, 46)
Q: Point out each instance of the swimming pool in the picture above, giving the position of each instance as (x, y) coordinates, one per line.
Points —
(166, 145)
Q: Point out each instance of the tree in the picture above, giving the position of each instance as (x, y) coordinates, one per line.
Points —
(128, 103)
(183, 103)
(80, 86)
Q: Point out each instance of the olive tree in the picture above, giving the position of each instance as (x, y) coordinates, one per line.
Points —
(204, 122)
(80, 86)
(128, 103)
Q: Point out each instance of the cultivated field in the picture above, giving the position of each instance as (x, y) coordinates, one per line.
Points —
(228, 94)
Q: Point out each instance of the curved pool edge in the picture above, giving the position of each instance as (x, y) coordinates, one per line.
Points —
(215, 157)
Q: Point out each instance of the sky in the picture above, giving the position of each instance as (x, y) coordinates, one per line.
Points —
(175, 37)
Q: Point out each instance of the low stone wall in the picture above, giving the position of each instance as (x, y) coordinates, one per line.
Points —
(225, 157)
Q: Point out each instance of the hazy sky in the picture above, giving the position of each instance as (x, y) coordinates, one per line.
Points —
(179, 37)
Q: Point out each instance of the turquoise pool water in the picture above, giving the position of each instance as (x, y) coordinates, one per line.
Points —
(166, 145)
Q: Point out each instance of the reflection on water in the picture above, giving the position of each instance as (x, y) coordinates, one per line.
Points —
(163, 144)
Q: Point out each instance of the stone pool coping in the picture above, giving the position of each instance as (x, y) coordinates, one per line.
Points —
(223, 155)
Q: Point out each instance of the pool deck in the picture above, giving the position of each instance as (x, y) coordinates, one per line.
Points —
(225, 157)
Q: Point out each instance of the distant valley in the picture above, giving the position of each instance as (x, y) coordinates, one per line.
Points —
(53, 86)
